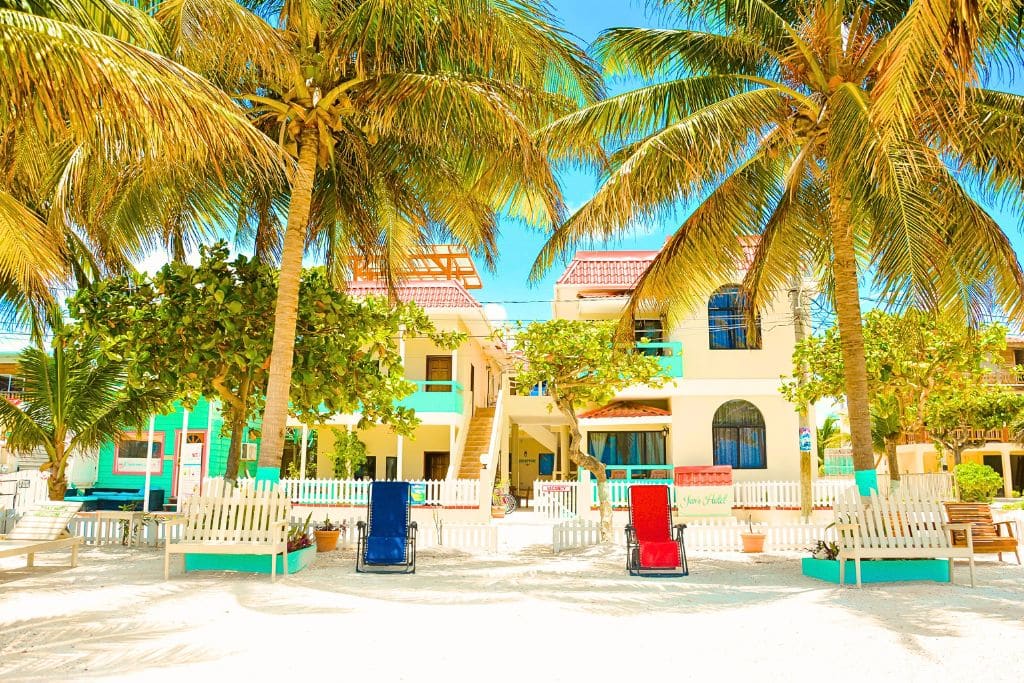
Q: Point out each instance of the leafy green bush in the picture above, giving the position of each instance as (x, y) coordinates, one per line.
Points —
(977, 483)
(349, 453)
(1014, 506)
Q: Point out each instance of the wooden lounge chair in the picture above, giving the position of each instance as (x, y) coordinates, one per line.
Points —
(387, 539)
(902, 526)
(653, 546)
(43, 528)
(248, 520)
(984, 531)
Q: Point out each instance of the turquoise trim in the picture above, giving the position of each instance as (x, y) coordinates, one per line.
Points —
(877, 571)
(867, 481)
(632, 472)
(444, 397)
(271, 474)
(670, 356)
(254, 564)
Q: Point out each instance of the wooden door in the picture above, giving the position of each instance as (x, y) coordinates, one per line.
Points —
(435, 465)
(439, 369)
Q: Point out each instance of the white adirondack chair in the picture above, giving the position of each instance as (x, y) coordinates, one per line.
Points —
(43, 528)
(227, 520)
(901, 526)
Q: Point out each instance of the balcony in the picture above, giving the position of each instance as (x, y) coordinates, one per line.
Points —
(669, 354)
(435, 397)
(1001, 435)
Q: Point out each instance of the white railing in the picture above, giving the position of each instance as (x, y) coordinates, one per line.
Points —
(487, 476)
(705, 535)
(446, 492)
(458, 449)
(931, 485)
(786, 494)
(556, 499)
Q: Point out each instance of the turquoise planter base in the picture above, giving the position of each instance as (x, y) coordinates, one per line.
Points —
(878, 571)
(254, 564)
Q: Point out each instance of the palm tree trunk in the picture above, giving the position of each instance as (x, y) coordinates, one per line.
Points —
(57, 485)
(275, 415)
(592, 465)
(851, 334)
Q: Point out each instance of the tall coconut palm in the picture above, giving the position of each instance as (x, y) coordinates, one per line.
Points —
(774, 122)
(74, 399)
(404, 119)
(106, 146)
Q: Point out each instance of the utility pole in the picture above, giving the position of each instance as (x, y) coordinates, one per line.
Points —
(800, 320)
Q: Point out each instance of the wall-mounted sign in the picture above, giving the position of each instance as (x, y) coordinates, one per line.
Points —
(418, 494)
(550, 487)
(704, 491)
(805, 439)
(547, 464)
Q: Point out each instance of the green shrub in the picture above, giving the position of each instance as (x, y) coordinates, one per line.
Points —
(977, 483)
(1014, 506)
(349, 453)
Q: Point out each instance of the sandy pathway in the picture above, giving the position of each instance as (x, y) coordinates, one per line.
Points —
(513, 617)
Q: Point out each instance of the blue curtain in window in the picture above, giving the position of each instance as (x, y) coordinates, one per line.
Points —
(738, 436)
(727, 324)
(627, 448)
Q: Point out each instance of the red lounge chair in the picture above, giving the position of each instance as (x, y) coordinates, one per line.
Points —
(653, 546)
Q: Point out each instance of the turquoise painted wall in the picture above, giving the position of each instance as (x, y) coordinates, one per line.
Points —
(168, 427)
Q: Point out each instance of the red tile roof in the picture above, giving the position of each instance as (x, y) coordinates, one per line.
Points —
(610, 268)
(448, 294)
(625, 409)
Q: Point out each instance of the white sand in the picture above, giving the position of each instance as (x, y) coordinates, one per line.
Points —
(519, 616)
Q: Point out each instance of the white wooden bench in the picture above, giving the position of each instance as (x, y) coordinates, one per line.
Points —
(43, 528)
(901, 526)
(226, 520)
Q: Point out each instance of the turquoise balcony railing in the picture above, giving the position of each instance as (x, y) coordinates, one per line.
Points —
(660, 474)
(435, 397)
(670, 355)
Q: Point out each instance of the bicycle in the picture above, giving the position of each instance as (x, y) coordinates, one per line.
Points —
(503, 496)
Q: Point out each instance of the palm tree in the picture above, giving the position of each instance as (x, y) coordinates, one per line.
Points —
(789, 124)
(830, 435)
(106, 147)
(74, 399)
(404, 121)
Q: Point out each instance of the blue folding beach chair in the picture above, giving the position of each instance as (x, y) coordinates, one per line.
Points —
(387, 539)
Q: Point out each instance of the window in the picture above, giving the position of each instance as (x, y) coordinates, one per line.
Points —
(627, 448)
(368, 470)
(130, 453)
(649, 331)
(11, 384)
(727, 323)
(738, 436)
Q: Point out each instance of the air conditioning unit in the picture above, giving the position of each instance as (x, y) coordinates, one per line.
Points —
(248, 452)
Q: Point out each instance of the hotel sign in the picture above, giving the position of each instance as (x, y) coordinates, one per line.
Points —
(704, 491)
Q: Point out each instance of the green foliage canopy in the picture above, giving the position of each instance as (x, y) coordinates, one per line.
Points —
(207, 331)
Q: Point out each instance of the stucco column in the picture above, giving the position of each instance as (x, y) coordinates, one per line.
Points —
(401, 447)
(1007, 471)
(302, 451)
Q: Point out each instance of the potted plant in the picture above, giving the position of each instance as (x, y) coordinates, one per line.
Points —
(497, 504)
(327, 533)
(753, 541)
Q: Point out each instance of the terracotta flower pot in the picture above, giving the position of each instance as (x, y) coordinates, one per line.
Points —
(326, 541)
(752, 543)
(497, 511)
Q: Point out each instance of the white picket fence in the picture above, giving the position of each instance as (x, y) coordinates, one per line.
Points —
(786, 494)
(560, 500)
(448, 493)
(932, 485)
(705, 535)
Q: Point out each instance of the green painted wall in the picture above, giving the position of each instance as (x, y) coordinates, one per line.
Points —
(168, 426)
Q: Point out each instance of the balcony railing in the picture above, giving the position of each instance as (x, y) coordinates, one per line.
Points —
(670, 355)
(1008, 376)
(1001, 435)
(661, 474)
(435, 397)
